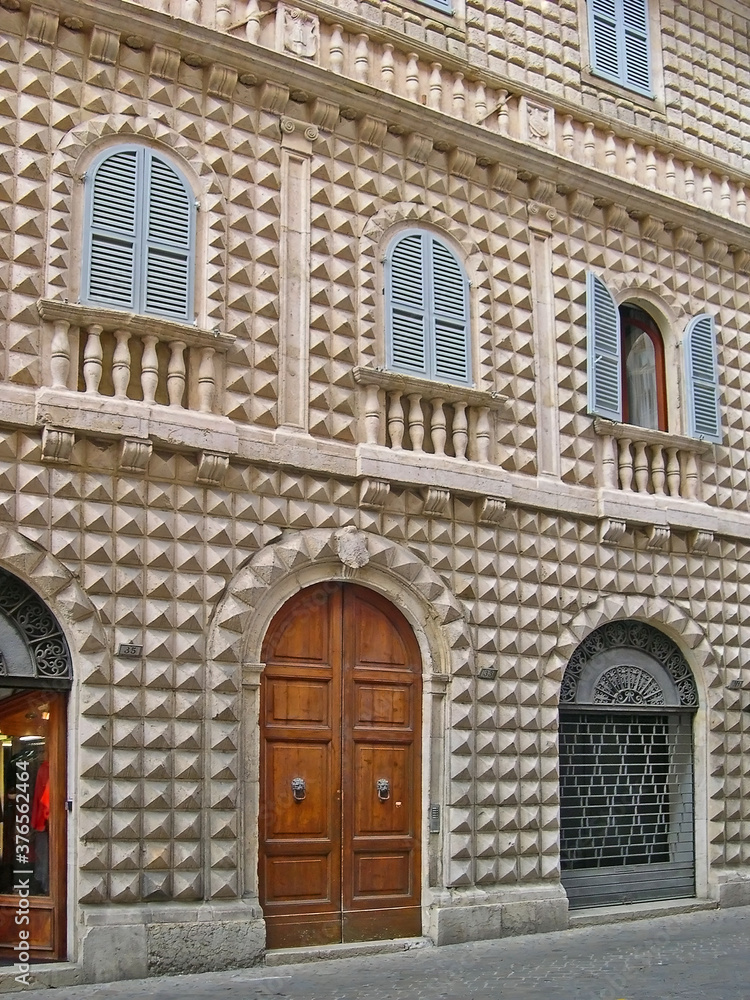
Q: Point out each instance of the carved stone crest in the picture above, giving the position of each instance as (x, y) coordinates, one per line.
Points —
(298, 32)
(537, 122)
(352, 549)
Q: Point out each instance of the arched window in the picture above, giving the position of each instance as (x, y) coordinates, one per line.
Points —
(627, 371)
(427, 306)
(644, 394)
(139, 235)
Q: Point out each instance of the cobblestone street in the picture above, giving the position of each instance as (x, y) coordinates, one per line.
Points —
(702, 956)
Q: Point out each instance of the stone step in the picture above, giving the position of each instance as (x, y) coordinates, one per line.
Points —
(638, 911)
(359, 949)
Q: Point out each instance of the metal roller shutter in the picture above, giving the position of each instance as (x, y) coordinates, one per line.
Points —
(626, 803)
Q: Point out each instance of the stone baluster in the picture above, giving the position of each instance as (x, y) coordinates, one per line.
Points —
(459, 96)
(609, 462)
(416, 421)
(372, 414)
(630, 160)
(387, 69)
(708, 189)
(741, 203)
(412, 77)
(480, 103)
(658, 473)
(438, 426)
(223, 14)
(726, 195)
(460, 430)
(651, 176)
(671, 176)
(625, 465)
(92, 359)
(396, 421)
(641, 467)
(568, 136)
(673, 472)
(435, 99)
(336, 49)
(149, 369)
(503, 115)
(482, 434)
(193, 10)
(689, 182)
(206, 380)
(121, 364)
(610, 153)
(589, 145)
(691, 476)
(60, 354)
(252, 25)
(176, 373)
(362, 59)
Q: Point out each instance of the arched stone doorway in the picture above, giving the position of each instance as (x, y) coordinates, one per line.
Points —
(626, 768)
(340, 765)
(35, 677)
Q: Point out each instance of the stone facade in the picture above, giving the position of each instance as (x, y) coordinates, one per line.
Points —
(310, 134)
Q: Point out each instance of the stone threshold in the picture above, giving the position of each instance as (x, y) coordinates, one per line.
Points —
(637, 911)
(53, 975)
(358, 949)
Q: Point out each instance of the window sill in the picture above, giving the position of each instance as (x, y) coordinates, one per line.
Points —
(623, 94)
(429, 388)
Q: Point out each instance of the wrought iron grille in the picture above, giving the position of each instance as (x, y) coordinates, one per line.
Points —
(38, 627)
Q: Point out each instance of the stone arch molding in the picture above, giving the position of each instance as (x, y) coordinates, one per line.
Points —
(647, 288)
(69, 162)
(68, 602)
(671, 619)
(299, 559)
(375, 235)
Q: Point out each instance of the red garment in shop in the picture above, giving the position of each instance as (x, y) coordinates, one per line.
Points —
(40, 805)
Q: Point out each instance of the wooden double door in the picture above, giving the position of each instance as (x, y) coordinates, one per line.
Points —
(340, 826)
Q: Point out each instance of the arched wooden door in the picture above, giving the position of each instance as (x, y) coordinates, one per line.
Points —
(340, 770)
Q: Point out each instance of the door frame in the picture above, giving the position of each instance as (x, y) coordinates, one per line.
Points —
(438, 659)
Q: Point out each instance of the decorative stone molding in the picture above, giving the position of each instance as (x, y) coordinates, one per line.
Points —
(297, 32)
(372, 131)
(221, 81)
(435, 501)
(492, 511)
(417, 147)
(684, 239)
(212, 468)
(165, 62)
(104, 46)
(134, 455)
(461, 163)
(297, 135)
(658, 537)
(580, 204)
(42, 25)
(351, 546)
(541, 217)
(274, 97)
(700, 541)
(537, 122)
(611, 530)
(324, 114)
(616, 217)
(57, 445)
(373, 493)
(716, 251)
(543, 189)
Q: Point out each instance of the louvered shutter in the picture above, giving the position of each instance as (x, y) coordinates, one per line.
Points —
(619, 41)
(406, 305)
(444, 5)
(604, 351)
(604, 38)
(450, 315)
(636, 45)
(110, 266)
(168, 242)
(702, 379)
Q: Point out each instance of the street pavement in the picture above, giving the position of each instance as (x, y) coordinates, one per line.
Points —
(699, 956)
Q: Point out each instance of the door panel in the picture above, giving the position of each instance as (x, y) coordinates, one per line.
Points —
(340, 703)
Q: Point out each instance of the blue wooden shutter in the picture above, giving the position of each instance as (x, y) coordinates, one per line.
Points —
(702, 379)
(450, 316)
(168, 256)
(406, 305)
(110, 262)
(445, 5)
(636, 61)
(604, 351)
(619, 42)
(604, 38)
